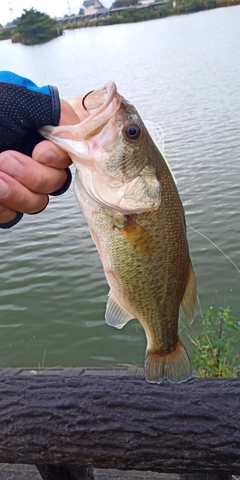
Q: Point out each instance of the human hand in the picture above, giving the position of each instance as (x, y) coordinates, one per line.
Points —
(26, 182)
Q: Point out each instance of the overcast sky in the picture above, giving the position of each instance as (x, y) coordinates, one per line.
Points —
(57, 8)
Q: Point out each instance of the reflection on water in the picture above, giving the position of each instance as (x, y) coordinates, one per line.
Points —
(182, 72)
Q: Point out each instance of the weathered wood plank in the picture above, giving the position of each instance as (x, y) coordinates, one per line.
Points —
(124, 423)
(117, 371)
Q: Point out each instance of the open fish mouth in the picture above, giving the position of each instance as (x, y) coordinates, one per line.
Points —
(96, 101)
(100, 105)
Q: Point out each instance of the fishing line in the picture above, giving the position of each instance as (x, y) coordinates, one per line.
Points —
(157, 135)
(200, 306)
(214, 244)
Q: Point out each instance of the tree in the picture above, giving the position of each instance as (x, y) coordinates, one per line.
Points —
(35, 27)
(5, 33)
(124, 3)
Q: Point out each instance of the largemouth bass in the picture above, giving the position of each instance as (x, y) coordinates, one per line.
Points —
(131, 204)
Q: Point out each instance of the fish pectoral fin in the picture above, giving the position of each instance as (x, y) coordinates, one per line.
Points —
(116, 316)
(136, 236)
(174, 366)
(189, 300)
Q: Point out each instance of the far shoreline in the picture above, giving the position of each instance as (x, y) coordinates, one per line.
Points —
(135, 15)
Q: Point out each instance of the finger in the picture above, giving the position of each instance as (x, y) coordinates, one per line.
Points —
(6, 214)
(17, 197)
(49, 154)
(68, 114)
(31, 174)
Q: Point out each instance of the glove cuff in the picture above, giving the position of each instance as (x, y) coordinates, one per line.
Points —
(55, 105)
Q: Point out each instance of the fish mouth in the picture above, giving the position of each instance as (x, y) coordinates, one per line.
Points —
(96, 102)
(99, 106)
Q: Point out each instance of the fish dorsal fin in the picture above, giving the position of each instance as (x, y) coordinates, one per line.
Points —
(189, 300)
(116, 316)
(156, 132)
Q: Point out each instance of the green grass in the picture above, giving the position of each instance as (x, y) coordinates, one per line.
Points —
(214, 349)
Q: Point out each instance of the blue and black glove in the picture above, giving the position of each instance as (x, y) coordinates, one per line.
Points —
(25, 107)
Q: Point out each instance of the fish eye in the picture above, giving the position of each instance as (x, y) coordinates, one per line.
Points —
(132, 131)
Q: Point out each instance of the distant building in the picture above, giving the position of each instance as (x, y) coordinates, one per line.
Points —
(145, 2)
(93, 6)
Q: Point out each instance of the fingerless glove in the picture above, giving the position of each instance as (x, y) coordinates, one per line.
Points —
(24, 108)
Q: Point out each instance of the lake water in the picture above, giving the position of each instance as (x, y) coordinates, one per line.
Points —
(183, 73)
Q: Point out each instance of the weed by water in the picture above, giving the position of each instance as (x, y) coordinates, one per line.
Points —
(214, 349)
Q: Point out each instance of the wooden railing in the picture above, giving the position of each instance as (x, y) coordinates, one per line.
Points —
(66, 425)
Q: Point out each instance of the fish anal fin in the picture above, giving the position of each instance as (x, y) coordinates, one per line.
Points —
(174, 366)
(190, 297)
(116, 316)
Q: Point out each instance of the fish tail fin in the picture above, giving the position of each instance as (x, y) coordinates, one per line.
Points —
(174, 366)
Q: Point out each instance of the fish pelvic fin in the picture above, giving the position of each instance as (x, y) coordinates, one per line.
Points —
(116, 316)
(190, 297)
(174, 366)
